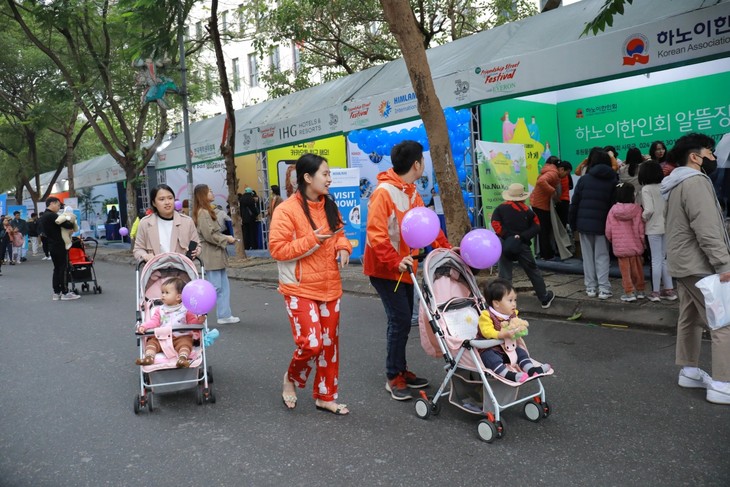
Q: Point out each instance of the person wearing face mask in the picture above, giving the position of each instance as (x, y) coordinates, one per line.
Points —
(697, 246)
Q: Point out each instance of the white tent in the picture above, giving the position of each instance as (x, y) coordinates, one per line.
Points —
(537, 54)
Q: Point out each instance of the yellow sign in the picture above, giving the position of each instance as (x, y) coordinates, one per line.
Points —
(281, 161)
(533, 149)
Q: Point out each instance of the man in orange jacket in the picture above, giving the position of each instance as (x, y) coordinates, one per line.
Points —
(387, 256)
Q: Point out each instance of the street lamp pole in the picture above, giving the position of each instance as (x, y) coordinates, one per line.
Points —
(184, 95)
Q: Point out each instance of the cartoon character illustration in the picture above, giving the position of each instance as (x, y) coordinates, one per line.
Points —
(323, 310)
(313, 313)
(312, 337)
(326, 340)
(322, 387)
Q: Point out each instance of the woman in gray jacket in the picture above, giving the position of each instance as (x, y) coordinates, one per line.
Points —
(214, 251)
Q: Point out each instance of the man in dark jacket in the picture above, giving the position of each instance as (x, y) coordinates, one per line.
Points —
(592, 199)
(516, 225)
(22, 226)
(57, 249)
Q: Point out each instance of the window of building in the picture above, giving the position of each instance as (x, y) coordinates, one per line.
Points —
(241, 20)
(224, 22)
(275, 59)
(253, 70)
(236, 75)
(199, 30)
(296, 64)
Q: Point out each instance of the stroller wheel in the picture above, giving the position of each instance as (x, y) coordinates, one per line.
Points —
(210, 374)
(501, 430)
(150, 403)
(435, 408)
(137, 404)
(199, 395)
(486, 430)
(545, 409)
(85, 288)
(423, 409)
(533, 410)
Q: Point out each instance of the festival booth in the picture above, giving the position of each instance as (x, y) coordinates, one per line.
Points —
(573, 86)
(491, 69)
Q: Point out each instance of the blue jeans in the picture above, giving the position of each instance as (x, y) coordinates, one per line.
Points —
(219, 279)
(399, 309)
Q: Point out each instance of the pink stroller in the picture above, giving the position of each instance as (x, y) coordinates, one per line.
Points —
(163, 376)
(448, 321)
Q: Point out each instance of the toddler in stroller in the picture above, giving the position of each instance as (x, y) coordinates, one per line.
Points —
(171, 314)
(500, 321)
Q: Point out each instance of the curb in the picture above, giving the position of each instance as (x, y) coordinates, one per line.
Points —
(593, 311)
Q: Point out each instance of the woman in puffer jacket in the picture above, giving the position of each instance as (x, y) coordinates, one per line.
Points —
(307, 239)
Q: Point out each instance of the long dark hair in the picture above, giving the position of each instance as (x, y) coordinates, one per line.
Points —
(200, 202)
(153, 194)
(633, 159)
(653, 148)
(309, 164)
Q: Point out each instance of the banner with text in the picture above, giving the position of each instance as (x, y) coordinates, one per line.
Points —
(345, 189)
(499, 165)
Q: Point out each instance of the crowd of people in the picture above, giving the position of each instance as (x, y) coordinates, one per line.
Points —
(664, 203)
(663, 206)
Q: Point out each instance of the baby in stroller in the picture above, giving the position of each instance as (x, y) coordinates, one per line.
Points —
(170, 314)
(509, 360)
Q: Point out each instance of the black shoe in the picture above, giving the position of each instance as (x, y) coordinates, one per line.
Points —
(398, 388)
(23, 259)
(548, 300)
(413, 381)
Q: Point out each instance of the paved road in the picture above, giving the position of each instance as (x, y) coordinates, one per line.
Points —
(68, 382)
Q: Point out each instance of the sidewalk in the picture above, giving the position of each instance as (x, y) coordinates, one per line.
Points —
(571, 299)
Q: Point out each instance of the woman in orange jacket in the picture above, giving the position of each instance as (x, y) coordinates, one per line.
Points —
(307, 238)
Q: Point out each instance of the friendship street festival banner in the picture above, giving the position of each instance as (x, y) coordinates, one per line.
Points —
(345, 189)
(499, 165)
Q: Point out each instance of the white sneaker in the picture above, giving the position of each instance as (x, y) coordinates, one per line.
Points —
(69, 296)
(718, 392)
(694, 378)
(56, 297)
(591, 293)
(604, 294)
(229, 321)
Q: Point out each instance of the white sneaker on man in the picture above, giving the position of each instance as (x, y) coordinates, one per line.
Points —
(56, 297)
(694, 378)
(228, 321)
(69, 296)
(718, 392)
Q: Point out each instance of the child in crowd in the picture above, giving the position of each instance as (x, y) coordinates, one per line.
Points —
(16, 240)
(625, 230)
(493, 324)
(171, 314)
(650, 178)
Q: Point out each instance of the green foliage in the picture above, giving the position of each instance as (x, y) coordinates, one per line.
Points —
(605, 16)
(336, 38)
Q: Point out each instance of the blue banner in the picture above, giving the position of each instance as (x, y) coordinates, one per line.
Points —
(345, 189)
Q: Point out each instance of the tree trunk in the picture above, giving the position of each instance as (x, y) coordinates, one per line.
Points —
(229, 140)
(131, 191)
(69, 135)
(404, 27)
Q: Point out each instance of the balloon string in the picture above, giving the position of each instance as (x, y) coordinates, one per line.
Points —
(401, 274)
(398, 283)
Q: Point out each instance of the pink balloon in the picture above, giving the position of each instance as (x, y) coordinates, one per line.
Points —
(199, 296)
(420, 227)
(480, 248)
(178, 205)
(124, 231)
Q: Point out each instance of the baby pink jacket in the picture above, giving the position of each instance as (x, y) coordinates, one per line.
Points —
(625, 229)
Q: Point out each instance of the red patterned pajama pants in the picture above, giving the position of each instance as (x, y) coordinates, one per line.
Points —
(314, 326)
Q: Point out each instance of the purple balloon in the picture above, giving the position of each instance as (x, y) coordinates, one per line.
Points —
(178, 205)
(480, 248)
(420, 227)
(199, 296)
(124, 231)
